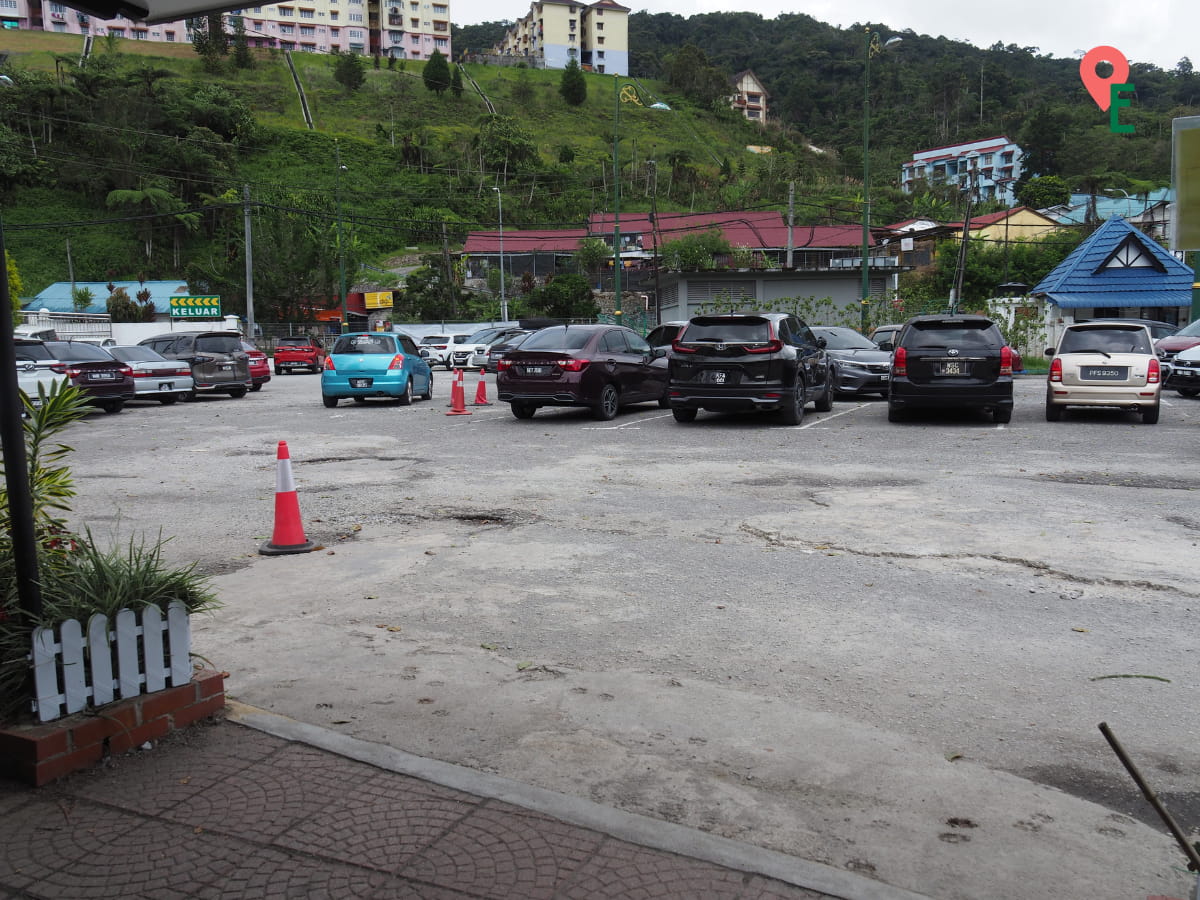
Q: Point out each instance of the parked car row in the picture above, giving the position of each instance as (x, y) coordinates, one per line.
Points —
(166, 367)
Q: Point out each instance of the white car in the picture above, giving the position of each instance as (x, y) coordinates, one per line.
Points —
(1104, 364)
(440, 347)
(31, 376)
(1182, 373)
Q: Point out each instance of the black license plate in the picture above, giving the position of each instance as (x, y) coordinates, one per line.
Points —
(361, 382)
(1104, 373)
(952, 368)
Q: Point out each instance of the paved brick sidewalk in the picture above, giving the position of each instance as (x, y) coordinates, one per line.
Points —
(224, 810)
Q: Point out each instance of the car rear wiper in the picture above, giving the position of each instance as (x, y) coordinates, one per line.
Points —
(1103, 353)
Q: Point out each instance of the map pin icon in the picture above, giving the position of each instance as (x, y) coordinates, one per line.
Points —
(1099, 87)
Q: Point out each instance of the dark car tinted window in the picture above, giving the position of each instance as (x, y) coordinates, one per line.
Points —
(614, 342)
(136, 354)
(33, 352)
(569, 338)
(636, 344)
(218, 343)
(845, 339)
(1108, 340)
(364, 343)
(408, 345)
(802, 332)
(751, 329)
(663, 335)
(295, 342)
(435, 339)
(77, 350)
(952, 333)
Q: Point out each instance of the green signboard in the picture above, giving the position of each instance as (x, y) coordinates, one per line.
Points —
(195, 307)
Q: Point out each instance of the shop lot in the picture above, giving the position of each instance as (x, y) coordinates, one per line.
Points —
(828, 639)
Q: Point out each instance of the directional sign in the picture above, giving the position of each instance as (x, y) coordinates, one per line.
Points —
(195, 307)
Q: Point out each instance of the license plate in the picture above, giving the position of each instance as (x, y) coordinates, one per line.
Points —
(535, 370)
(101, 376)
(1104, 373)
(166, 385)
(715, 378)
(360, 382)
(950, 368)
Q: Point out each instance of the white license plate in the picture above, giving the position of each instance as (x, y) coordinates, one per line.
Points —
(166, 385)
(360, 382)
(227, 367)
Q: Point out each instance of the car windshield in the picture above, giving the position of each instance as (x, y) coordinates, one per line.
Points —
(749, 329)
(482, 336)
(936, 335)
(363, 343)
(1192, 330)
(844, 339)
(136, 354)
(1105, 340)
(218, 343)
(570, 337)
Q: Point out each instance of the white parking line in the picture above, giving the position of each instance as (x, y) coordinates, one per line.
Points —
(834, 416)
(632, 424)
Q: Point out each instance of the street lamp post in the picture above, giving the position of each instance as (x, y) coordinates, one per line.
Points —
(341, 245)
(503, 300)
(616, 200)
(874, 47)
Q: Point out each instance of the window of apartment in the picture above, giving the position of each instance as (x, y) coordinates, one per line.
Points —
(287, 29)
(415, 40)
(334, 32)
(287, 45)
(571, 38)
(286, 11)
(599, 26)
(754, 98)
(258, 26)
(8, 4)
(599, 54)
(600, 69)
(599, 40)
(170, 36)
(333, 16)
(440, 9)
(571, 24)
(355, 17)
(598, 12)
(308, 48)
(441, 43)
(414, 24)
(58, 9)
(60, 26)
(308, 31)
(308, 14)
(117, 32)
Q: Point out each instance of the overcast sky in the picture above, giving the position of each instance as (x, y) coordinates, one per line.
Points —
(1153, 31)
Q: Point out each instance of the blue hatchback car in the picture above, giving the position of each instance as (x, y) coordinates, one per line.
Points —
(375, 364)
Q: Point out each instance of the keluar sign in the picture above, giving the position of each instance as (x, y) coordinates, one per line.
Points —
(195, 307)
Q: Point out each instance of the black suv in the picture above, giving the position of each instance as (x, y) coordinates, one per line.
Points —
(951, 362)
(747, 362)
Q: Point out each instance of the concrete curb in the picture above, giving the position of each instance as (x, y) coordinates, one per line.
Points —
(636, 829)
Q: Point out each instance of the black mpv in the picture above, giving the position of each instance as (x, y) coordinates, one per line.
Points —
(748, 362)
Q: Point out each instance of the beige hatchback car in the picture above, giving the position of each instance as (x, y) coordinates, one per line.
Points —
(1104, 364)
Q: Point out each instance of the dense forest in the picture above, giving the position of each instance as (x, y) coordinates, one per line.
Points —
(141, 160)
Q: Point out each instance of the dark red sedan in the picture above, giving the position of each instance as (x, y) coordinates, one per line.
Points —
(601, 367)
(260, 366)
(106, 382)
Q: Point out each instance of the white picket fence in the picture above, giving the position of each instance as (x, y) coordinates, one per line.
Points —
(143, 652)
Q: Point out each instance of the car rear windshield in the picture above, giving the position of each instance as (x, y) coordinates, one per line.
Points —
(435, 339)
(364, 343)
(845, 340)
(218, 343)
(33, 351)
(136, 354)
(738, 329)
(77, 350)
(1105, 340)
(569, 338)
(294, 342)
(952, 333)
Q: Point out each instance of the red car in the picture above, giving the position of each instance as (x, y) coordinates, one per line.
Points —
(299, 352)
(260, 366)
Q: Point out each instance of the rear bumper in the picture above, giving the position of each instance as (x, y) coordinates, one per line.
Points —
(558, 398)
(735, 399)
(998, 395)
(1104, 395)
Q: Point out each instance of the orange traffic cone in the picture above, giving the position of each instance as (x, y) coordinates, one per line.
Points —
(288, 536)
(481, 391)
(458, 399)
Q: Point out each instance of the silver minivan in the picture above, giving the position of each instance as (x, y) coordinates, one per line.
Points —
(219, 364)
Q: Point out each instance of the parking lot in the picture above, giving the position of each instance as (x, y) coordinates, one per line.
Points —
(881, 646)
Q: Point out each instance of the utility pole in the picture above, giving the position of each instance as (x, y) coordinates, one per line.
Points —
(791, 222)
(249, 263)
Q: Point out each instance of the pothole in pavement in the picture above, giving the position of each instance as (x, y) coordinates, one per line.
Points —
(1116, 479)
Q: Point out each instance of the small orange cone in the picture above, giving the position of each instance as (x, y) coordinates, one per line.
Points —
(288, 536)
(481, 391)
(458, 399)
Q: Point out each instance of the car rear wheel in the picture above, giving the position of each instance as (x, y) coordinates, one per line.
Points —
(1001, 415)
(278, 371)
(684, 415)
(112, 406)
(406, 398)
(523, 410)
(793, 413)
(427, 394)
(610, 401)
(1150, 415)
(330, 402)
(1188, 392)
(257, 387)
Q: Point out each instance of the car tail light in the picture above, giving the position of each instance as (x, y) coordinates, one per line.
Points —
(1006, 359)
(503, 365)
(329, 366)
(59, 369)
(183, 370)
(572, 365)
(126, 372)
(772, 346)
(1153, 372)
(681, 348)
(73, 372)
(439, 346)
(1056, 369)
(900, 362)
(397, 362)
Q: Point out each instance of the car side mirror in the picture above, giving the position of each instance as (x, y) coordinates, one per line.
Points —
(658, 352)
(821, 342)
(1049, 351)
(886, 345)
